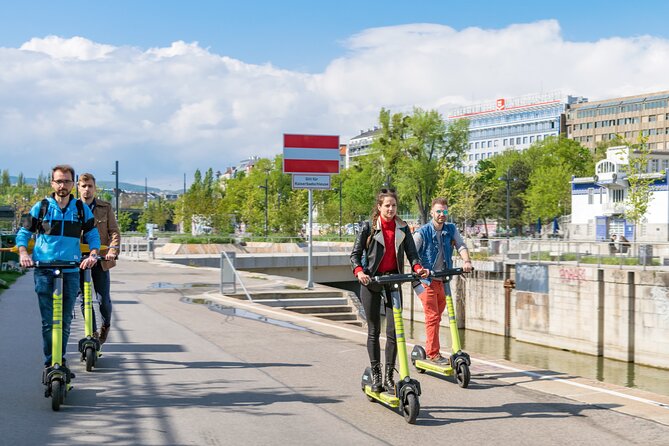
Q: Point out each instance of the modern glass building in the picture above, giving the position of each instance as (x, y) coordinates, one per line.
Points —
(512, 123)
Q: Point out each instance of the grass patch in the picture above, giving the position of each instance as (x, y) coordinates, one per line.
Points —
(203, 240)
(293, 287)
(479, 255)
(591, 259)
(9, 277)
(258, 278)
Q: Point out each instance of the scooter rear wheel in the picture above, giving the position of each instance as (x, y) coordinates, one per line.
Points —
(90, 359)
(410, 408)
(57, 395)
(462, 374)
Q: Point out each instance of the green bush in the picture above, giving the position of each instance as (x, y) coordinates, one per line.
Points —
(202, 240)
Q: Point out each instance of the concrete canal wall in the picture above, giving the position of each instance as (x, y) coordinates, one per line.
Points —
(616, 313)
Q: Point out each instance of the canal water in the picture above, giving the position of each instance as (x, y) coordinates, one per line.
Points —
(576, 364)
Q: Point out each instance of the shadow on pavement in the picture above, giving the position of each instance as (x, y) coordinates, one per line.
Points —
(509, 410)
(218, 364)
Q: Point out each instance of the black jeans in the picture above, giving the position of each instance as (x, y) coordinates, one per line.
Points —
(372, 300)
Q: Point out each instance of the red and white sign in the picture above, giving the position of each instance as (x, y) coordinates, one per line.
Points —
(310, 154)
(501, 104)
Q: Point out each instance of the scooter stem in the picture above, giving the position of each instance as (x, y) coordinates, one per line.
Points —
(57, 326)
(455, 335)
(88, 304)
(399, 332)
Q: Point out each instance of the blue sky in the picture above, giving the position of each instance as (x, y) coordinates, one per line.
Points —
(306, 35)
(167, 87)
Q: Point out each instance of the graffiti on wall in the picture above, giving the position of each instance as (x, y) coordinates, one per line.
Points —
(572, 275)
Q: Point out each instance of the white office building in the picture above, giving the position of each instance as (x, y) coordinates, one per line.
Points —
(598, 202)
(511, 123)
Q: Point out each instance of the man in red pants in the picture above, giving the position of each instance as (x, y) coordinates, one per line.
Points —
(435, 241)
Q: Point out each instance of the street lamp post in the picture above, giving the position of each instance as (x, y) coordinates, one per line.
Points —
(340, 209)
(116, 190)
(266, 206)
(338, 189)
(506, 178)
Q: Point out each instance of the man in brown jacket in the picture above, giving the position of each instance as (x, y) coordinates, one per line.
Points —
(110, 235)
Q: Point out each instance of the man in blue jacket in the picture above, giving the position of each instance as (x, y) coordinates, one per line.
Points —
(58, 227)
(435, 241)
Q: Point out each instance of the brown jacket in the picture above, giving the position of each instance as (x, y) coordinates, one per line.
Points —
(110, 235)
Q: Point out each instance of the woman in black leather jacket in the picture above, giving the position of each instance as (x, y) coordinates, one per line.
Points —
(384, 229)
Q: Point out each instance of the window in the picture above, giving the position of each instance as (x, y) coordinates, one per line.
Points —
(496, 142)
(531, 139)
(524, 139)
(518, 140)
(591, 192)
(476, 146)
(654, 165)
(504, 140)
(652, 118)
(617, 195)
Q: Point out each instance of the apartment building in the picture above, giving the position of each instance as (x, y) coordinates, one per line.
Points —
(628, 117)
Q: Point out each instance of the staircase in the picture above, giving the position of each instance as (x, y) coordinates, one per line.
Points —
(330, 305)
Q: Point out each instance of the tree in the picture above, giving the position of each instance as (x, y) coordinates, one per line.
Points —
(155, 213)
(202, 198)
(6, 182)
(639, 193)
(124, 221)
(553, 161)
(413, 149)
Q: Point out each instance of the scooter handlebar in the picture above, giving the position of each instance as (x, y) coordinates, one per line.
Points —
(57, 264)
(395, 278)
(449, 272)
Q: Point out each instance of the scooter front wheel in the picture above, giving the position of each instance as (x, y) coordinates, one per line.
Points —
(90, 359)
(462, 374)
(410, 408)
(57, 394)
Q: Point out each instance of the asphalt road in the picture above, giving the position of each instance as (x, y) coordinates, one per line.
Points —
(179, 373)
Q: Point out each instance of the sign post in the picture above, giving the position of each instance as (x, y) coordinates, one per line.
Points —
(311, 159)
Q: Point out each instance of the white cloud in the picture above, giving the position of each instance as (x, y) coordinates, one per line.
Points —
(165, 111)
(74, 48)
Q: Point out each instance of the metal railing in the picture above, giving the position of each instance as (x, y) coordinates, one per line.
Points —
(230, 276)
(627, 253)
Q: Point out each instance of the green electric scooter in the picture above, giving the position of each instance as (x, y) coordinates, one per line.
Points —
(89, 347)
(459, 361)
(57, 377)
(407, 390)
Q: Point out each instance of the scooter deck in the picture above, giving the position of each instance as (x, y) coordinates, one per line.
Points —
(384, 397)
(430, 366)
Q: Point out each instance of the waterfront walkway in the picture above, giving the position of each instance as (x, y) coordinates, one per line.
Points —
(184, 365)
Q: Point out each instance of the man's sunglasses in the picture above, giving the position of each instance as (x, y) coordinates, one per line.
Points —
(387, 191)
(440, 211)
